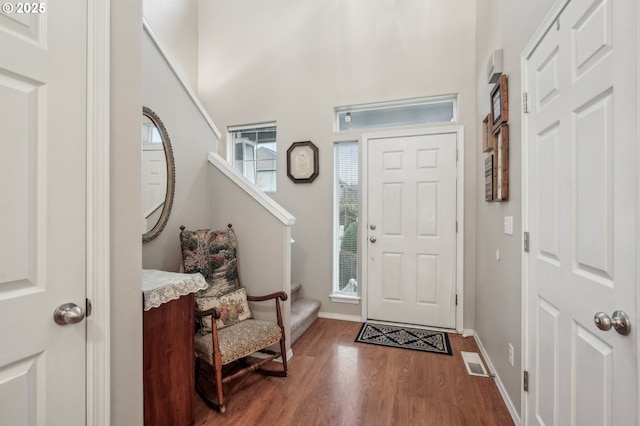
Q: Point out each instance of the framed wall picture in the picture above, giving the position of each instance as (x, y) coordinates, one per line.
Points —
(302, 162)
(499, 103)
(488, 178)
(487, 136)
(501, 166)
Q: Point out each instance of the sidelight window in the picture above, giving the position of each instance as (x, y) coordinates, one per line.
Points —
(346, 212)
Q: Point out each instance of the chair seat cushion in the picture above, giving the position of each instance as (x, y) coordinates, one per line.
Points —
(238, 340)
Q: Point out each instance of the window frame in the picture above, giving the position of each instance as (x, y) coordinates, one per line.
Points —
(338, 295)
(231, 151)
(386, 107)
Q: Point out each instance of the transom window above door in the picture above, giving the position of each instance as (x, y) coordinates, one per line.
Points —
(437, 109)
(253, 153)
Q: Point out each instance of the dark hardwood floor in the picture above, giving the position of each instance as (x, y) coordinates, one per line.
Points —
(335, 381)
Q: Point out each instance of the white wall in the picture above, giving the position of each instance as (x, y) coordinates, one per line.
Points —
(176, 24)
(192, 139)
(293, 62)
(507, 25)
(126, 292)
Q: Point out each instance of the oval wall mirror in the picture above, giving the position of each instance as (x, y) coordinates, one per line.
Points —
(158, 175)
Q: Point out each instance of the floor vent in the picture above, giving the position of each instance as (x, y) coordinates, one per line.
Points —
(474, 364)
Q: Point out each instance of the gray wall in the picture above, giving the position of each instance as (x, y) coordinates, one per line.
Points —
(507, 25)
(126, 294)
(192, 139)
(293, 62)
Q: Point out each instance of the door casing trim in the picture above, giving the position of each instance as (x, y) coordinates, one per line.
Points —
(98, 284)
(458, 130)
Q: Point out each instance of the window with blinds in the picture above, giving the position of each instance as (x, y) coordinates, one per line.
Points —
(346, 190)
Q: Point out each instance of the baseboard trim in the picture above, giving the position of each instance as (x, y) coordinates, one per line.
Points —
(341, 317)
(496, 378)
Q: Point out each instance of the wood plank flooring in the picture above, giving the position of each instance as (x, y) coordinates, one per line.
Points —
(335, 381)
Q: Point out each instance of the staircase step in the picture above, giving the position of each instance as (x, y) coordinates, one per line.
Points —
(295, 290)
(303, 313)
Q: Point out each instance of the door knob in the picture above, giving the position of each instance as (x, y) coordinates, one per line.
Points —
(619, 320)
(372, 226)
(68, 313)
(373, 239)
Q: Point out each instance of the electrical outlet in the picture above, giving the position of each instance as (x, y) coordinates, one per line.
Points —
(511, 354)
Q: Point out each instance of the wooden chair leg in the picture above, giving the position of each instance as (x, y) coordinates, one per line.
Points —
(220, 395)
(207, 372)
(283, 354)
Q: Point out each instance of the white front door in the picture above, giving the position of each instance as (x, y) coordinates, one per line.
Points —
(411, 229)
(581, 200)
(43, 119)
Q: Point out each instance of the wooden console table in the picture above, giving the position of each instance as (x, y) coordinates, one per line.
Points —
(168, 327)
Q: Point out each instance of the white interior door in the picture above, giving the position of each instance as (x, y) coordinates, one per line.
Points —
(411, 229)
(43, 113)
(581, 202)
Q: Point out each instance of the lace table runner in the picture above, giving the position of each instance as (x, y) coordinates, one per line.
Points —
(160, 287)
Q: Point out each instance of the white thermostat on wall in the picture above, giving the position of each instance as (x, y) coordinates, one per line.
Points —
(494, 66)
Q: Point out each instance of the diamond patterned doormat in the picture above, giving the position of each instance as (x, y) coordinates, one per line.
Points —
(405, 338)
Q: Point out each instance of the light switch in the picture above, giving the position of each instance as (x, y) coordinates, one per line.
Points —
(508, 225)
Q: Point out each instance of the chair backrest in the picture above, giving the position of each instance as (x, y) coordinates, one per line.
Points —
(213, 253)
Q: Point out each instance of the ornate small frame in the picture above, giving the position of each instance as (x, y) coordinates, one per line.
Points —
(499, 103)
(302, 162)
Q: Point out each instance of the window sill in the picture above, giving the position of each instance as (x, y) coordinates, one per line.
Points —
(345, 298)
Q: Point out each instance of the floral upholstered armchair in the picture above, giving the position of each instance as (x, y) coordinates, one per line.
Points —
(226, 332)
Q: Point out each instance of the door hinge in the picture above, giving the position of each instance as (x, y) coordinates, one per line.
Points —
(525, 102)
(456, 154)
(456, 226)
(525, 381)
(526, 242)
(456, 300)
(88, 308)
